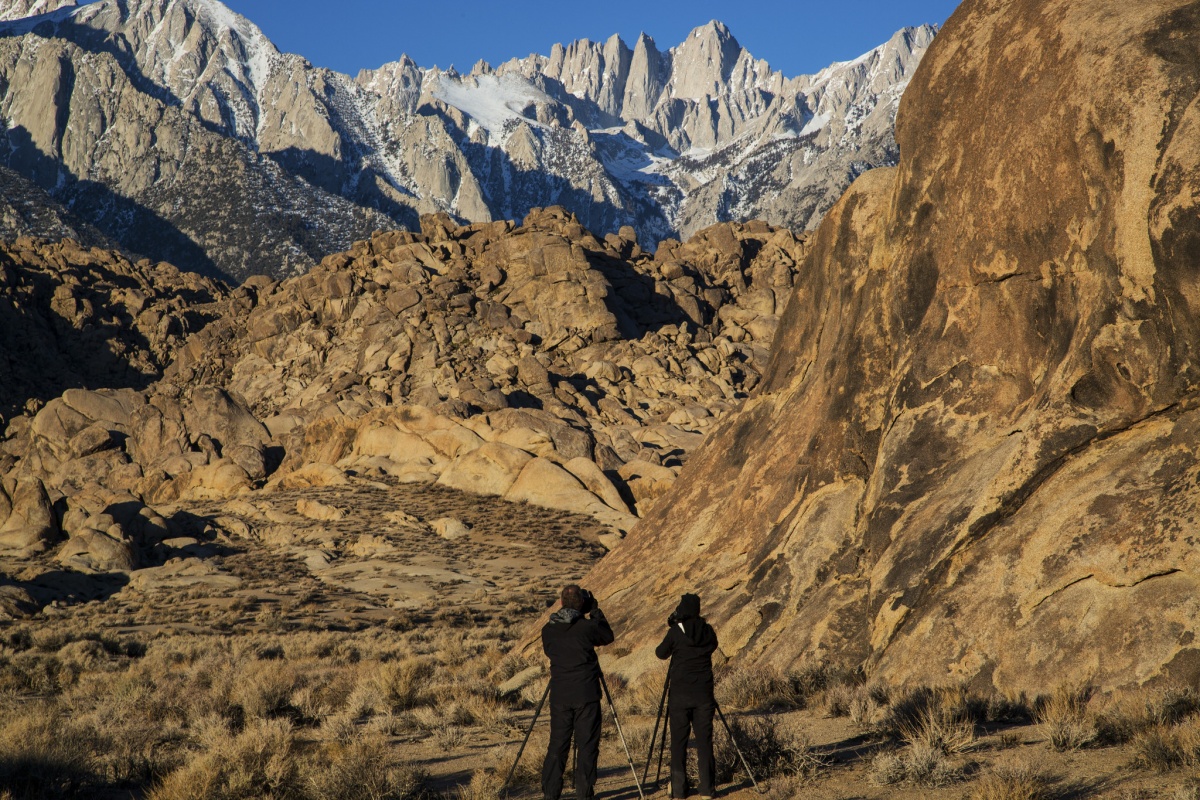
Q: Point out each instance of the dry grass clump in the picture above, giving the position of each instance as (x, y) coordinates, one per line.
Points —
(528, 772)
(918, 764)
(1017, 781)
(43, 755)
(935, 725)
(770, 749)
(258, 762)
(363, 770)
(1165, 747)
(485, 784)
(1064, 717)
(941, 714)
(1129, 714)
(642, 695)
(763, 688)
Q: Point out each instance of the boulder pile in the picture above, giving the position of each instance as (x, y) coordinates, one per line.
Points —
(537, 363)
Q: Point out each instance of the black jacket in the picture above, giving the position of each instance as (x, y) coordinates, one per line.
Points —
(570, 641)
(690, 645)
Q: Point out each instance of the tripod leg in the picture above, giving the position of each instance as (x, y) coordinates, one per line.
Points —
(654, 736)
(729, 731)
(620, 733)
(662, 749)
(525, 741)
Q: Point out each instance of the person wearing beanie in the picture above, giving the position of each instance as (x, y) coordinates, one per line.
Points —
(570, 640)
(690, 643)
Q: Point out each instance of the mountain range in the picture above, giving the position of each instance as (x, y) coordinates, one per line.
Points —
(179, 131)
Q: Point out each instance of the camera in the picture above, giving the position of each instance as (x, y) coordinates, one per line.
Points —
(673, 619)
(589, 601)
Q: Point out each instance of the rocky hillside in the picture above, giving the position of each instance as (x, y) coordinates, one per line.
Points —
(532, 362)
(974, 452)
(74, 317)
(182, 133)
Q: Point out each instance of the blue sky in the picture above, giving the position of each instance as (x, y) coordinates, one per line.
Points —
(797, 37)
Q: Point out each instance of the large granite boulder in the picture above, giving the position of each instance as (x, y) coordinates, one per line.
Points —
(975, 451)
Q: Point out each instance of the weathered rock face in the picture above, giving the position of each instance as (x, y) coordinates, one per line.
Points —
(974, 454)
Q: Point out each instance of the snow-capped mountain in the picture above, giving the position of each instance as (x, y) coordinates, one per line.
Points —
(178, 129)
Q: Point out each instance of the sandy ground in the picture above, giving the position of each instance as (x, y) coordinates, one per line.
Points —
(373, 555)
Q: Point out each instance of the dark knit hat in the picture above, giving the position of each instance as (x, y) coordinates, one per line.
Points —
(689, 607)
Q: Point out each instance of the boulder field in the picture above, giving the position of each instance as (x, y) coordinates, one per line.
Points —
(533, 362)
(973, 455)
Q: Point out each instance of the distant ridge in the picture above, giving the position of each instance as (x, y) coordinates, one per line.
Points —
(180, 131)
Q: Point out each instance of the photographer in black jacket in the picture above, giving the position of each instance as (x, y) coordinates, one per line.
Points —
(570, 640)
(690, 643)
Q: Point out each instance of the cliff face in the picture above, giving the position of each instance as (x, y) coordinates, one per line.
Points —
(974, 452)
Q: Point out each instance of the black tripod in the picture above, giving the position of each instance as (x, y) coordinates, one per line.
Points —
(662, 717)
(616, 721)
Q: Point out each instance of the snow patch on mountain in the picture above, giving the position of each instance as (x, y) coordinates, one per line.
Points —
(493, 102)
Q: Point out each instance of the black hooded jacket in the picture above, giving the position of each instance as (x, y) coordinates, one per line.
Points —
(570, 640)
(689, 643)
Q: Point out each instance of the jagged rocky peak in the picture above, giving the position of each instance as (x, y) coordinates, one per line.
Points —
(20, 9)
(703, 63)
(598, 125)
(399, 81)
(648, 73)
(596, 71)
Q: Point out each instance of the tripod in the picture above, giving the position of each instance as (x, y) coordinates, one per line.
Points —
(616, 721)
(663, 742)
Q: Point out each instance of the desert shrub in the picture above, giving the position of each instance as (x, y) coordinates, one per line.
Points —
(449, 737)
(935, 725)
(528, 772)
(1126, 716)
(1020, 781)
(749, 688)
(404, 684)
(33, 673)
(643, 694)
(260, 762)
(1165, 747)
(363, 770)
(509, 665)
(264, 690)
(940, 729)
(1188, 790)
(919, 763)
(943, 716)
(1010, 708)
(484, 785)
(1064, 717)
(44, 755)
(839, 700)
(769, 750)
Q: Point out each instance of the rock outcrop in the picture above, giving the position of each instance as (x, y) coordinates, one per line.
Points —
(974, 454)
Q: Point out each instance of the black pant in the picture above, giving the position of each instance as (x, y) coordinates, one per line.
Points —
(584, 722)
(683, 720)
